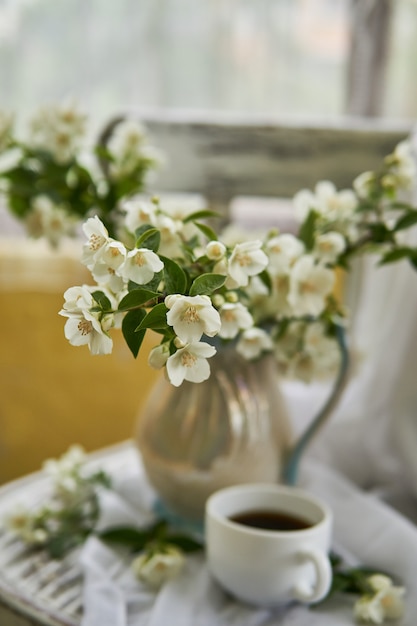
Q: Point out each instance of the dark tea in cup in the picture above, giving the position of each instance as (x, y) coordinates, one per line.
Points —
(266, 519)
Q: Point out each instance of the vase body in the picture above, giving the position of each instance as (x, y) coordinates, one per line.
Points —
(197, 438)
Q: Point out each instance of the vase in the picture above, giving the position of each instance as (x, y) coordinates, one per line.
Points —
(233, 428)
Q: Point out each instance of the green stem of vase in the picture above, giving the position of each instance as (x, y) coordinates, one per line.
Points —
(291, 465)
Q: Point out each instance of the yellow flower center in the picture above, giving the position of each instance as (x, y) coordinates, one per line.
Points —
(95, 242)
(190, 315)
(85, 327)
(307, 287)
(244, 259)
(326, 246)
(228, 316)
(188, 359)
(140, 260)
(63, 139)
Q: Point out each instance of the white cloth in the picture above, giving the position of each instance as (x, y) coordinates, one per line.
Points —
(365, 531)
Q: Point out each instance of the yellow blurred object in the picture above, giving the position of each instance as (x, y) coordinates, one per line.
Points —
(52, 394)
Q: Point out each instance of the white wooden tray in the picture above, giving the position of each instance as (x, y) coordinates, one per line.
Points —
(35, 589)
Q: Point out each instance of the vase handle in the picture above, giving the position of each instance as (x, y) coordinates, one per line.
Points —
(292, 461)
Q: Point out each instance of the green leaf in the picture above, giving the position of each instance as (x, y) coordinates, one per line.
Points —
(143, 229)
(150, 239)
(406, 221)
(266, 279)
(131, 537)
(130, 324)
(174, 276)
(380, 233)
(206, 284)
(397, 255)
(400, 206)
(101, 478)
(102, 300)
(152, 285)
(199, 215)
(155, 319)
(307, 230)
(138, 538)
(207, 231)
(58, 545)
(136, 298)
(187, 544)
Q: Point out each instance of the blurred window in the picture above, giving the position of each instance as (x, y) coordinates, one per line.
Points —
(269, 57)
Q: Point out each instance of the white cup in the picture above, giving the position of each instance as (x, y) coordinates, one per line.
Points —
(269, 567)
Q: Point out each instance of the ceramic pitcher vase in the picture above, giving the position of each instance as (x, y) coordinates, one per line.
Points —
(233, 428)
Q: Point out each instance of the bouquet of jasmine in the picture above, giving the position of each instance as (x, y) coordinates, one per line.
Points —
(55, 177)
(173, 274)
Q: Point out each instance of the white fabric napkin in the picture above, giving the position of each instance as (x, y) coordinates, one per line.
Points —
(366, 531)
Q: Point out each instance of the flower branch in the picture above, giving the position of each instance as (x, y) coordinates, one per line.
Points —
(55, 176)
(175, 275)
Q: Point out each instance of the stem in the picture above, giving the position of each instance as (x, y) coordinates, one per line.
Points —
(291, 465)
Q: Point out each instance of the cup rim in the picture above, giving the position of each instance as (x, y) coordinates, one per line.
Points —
(276, 488)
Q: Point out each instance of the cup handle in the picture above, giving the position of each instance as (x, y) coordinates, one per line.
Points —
(323, 572)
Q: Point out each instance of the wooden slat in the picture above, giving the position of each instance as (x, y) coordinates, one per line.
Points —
(224, 156)
(34, 589)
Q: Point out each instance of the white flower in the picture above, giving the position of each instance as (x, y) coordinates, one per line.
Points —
(170, 236)
(192, 316)
(129, 147)
(234, 317)
(310, 284)
(140, 265)
(105, 269)
(190, 363)
(283, 250)
(253, 342)
(20, 522)
(328, 246)
(332, 203)
(363, 183)
(158, 356)
(392, 601)
(368, 609)
(306, 352)
(326, 201)
(384, 605)
(387, 603)
(98, 238)
(49, 220)
(65, 471)
(304, 201)
(88, 330)
(379, 582)
(221, 267)
(68, 463)
(179, 206)
(156, 568)
(77, 300)
(138, 213)
(58, 129)
(218, 300)
(247, 259)
(83, 326)
(215, 250)
(403, 165)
